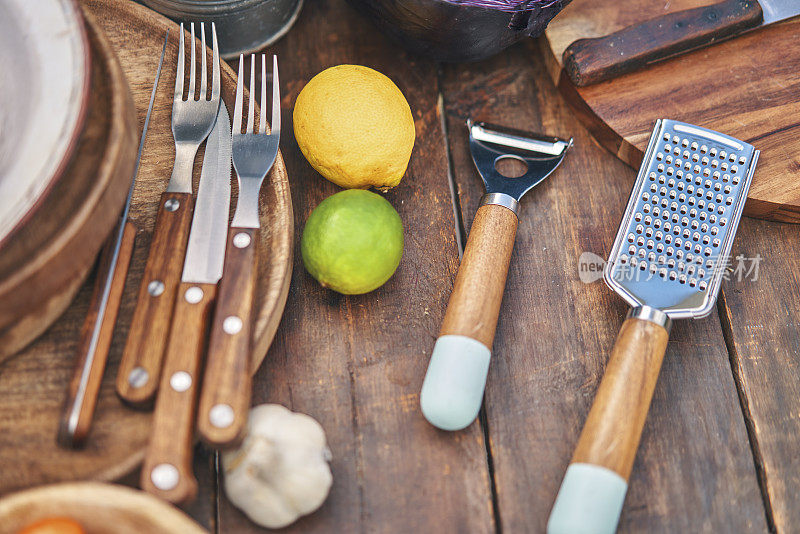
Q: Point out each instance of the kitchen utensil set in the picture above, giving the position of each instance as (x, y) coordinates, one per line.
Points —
(166, 345)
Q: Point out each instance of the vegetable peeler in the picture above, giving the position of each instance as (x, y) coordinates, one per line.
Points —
(452, 391)
(667, 262)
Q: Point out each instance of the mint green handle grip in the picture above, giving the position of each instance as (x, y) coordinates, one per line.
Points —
(589, 501)
(452, 392)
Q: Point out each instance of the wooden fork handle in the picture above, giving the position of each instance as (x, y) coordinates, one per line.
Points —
(453, 388)
(596, 481)
(167, 469)
(225, 399)
(140, 368)
(590, 61)
(81, 399)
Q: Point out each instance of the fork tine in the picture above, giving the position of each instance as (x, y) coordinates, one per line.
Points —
(192, 68)
(262, 117)
(179, 74)
(237, 108)
(215, 67)
(203, 73)
(275, 125)
(251, 105)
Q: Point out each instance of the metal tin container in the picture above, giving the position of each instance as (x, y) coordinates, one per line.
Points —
(242, 25)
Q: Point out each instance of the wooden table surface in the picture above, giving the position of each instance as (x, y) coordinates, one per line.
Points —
(720, 448)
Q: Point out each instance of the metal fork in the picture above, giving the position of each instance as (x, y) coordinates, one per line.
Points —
(192, 121)
(225, 397)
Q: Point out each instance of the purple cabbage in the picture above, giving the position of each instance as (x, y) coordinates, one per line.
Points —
(508, 6)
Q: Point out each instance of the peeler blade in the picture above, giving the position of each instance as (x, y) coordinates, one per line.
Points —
(491, 143)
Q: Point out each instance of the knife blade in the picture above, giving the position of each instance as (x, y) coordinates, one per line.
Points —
(167, 470)
(590, 61)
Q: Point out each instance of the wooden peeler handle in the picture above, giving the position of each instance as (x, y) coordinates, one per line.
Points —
(590, 61)
(453, 388)
(596, 481)
(140, 367)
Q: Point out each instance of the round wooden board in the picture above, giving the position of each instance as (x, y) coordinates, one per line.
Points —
(33, 383)
(746, 87)
(99, 508)
(45, 260)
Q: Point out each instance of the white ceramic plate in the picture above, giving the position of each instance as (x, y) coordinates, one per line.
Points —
(44, 86)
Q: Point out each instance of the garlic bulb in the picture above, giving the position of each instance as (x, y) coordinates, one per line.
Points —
(281, 471)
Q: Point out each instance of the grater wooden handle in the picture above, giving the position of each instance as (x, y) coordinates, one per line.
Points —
(453, 388)
(596, 481)
(590, 61)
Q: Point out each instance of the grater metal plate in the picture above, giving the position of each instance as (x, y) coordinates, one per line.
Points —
(672, 246)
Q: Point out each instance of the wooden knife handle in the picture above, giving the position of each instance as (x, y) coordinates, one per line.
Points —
(81, 399)
(594, 487)
(590, 61)
(167, 469)
(227, 387)
(140, 368)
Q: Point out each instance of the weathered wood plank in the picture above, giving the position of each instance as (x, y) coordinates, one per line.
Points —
(694, 471)
(356, 364)
(761, 316)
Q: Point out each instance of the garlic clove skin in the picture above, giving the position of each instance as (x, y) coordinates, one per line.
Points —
(281, 470)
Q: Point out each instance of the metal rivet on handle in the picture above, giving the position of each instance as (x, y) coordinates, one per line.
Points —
(180, 381)
(155, 288)
(193, 295)
(165, 476)
(221, 415)
(232, 325)
(241, 240)
(172, 204)
(138, 377)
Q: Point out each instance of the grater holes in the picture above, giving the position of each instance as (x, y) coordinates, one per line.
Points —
(742, 160)
(684, 143)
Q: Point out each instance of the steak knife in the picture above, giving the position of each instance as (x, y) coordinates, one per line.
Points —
(167, 470)
(590, 61)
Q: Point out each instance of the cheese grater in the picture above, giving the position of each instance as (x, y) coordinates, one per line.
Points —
(667, 262)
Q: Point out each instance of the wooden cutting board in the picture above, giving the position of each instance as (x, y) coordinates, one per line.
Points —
(33, 383)
(747, 87)
(98, 508)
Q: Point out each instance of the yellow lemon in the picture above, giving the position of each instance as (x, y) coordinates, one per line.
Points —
(355, 127)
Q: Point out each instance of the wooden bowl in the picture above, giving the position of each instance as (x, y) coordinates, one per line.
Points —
(44, 262)
(99, 508)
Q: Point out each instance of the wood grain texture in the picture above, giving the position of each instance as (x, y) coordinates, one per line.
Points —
(228, 377)
(745, 87)
(43, 263)
(613, 428)
(474, 305)
(33, 383)
(356, 363)
(152, 315)
(74, 434)
(694, 471)
(99, 508)
(595, 60)
(172, 432)
(760, 316)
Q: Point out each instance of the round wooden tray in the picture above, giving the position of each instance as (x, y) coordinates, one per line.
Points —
(44, 261)
(34, 382)
(99, 508)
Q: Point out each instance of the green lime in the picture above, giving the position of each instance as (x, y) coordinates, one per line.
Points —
(352, 242)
